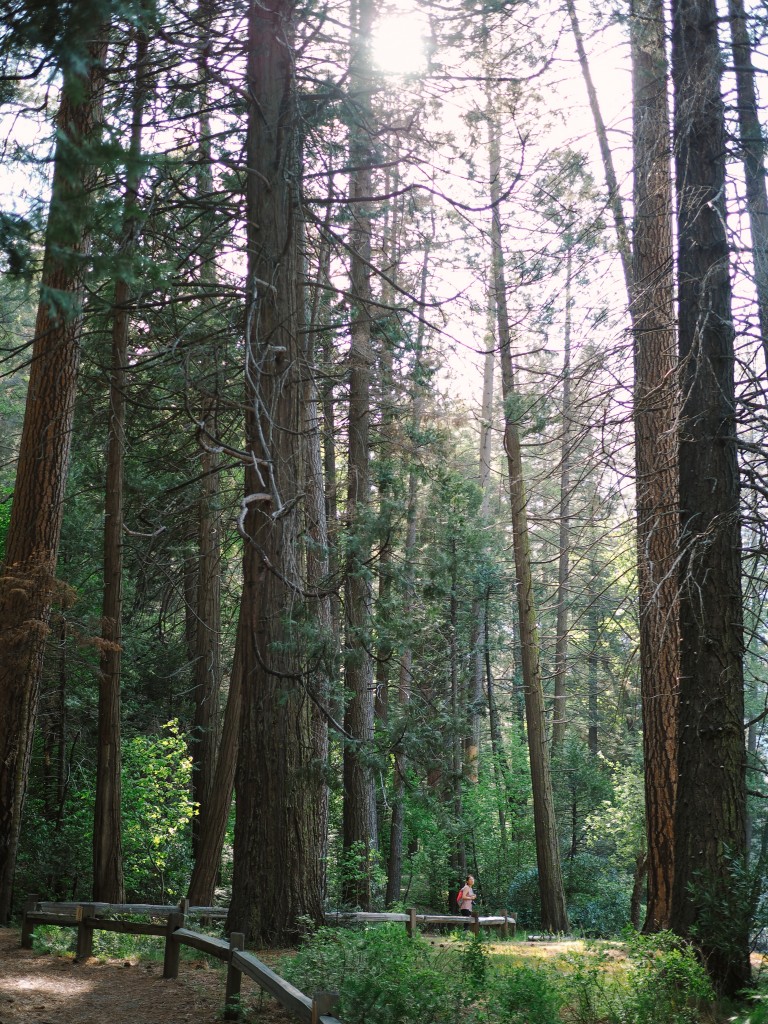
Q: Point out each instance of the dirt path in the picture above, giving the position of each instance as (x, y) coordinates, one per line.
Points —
(42, 988)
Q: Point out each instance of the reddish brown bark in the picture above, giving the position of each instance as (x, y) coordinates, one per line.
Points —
(28, 585)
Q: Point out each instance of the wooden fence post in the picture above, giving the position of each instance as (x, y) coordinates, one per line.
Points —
(172, 947)
(27, 926)
(234, 977)
(84, 916)
(323, 1002)
(475, 923)
(410, 924)
(505, 927)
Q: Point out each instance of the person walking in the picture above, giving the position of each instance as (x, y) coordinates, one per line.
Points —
(467, 897)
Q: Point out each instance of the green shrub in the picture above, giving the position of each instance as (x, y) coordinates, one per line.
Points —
(525, 995)
(591, 989)
(596, 894)
(667, 982)
(382, 976)
(474, 961)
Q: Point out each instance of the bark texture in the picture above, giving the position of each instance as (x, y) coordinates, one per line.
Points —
(28, 585)
(710, 816)
(280, 825)
(359, 812)
(657, 404)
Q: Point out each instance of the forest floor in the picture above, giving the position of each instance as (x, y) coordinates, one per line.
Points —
(49, 988)
(45, 988)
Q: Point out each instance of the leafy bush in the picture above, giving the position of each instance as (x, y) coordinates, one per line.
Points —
(667, 980)
(157, 816)
(591, 990)
(661, 982)
(525, 995)
(597, 897)
(381, 975)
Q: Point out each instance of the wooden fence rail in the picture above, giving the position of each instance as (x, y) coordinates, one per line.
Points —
(88, 917)
(506, 923)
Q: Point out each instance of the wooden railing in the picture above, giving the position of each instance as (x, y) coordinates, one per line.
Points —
(506, 923)
(88, 917)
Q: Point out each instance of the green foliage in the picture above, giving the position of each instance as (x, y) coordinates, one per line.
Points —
(474, 960)
(525, 995)
(591, 990)
(596, 894)
(663, 982)
(729, 907)
(55, 844)
(381, 975)
(157, 815)
(358, 864)
(618, 827)
(581, 782)
(756, 1013)
(667, 982)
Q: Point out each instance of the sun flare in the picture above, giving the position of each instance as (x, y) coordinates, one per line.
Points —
(400, 43)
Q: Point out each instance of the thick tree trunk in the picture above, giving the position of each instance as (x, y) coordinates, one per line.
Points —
(28, 585)
(280, 823)
(359, 812)
(647, 269)
(710, 813)
(657, 404)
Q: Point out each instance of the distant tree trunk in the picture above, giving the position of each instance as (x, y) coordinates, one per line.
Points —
(710, 818)
(28, 585)
(359, 811)
(551, 889)
(206, 723)
(457, 713)
(480, 604)
(752, 145)
(593, 663)
(107, 825)
(500, 763)
(397, 824)
(280, 821)
(559, 717)
(214, 813)
(656, 410)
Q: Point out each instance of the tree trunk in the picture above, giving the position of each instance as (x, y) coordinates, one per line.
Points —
(553, 909)
(397, 824)
(711, 789)
(656, 408)
(28, 585)
(647, 269)
(752, 145)
(563, 567)
(214, 813)
(107, 825)
(280, 823)
(359, 813)
(206, 724)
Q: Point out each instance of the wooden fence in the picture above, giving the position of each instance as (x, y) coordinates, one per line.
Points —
(506, 923)
(88, 917)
